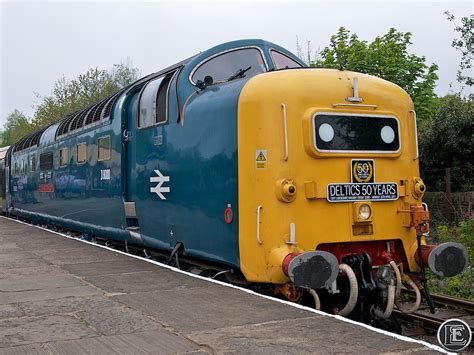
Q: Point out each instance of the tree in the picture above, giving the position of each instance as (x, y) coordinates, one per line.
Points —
(386, 57)
(16, 127)
(464, 44)
(448, 142)
(87, 89)
(68, 97)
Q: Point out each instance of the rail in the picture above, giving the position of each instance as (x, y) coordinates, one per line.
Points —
(460, 308)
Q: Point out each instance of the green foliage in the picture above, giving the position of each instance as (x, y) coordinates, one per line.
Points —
(87, 89)
(465, 45)
(447, 141)
(17, 126)
(461, 285)
(386, 57)
(68, 97)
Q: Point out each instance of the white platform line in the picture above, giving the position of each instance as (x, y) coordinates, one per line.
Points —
(291, 304)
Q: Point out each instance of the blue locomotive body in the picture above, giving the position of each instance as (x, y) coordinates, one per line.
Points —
(155, 164)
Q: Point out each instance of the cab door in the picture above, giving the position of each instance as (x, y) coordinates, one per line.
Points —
(147, 180)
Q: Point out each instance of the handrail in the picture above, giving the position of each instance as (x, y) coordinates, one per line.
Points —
(283, 106)
(416, 134)
(356, 105)
(258, 224)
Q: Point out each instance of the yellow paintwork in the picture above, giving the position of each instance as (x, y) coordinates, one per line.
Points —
(260, 126)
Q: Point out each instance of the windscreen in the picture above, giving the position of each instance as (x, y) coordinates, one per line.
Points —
(356, 133)
(223, 66)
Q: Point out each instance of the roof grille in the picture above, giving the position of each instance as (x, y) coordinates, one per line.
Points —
(110, 103)
(28, 141)
(85, 117)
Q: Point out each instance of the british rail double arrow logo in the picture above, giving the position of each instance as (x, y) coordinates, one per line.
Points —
(160, 189)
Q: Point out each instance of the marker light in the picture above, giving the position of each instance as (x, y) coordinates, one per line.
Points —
(387, 134)
(365, 212)
(326, 132)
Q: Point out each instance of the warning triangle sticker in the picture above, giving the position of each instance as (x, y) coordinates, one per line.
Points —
(261, 157)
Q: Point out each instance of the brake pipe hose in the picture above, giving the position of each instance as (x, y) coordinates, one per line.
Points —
(398, 276)
(417, 302)
(317, 301)
(410, 283)
(353, 290)
(389, 308)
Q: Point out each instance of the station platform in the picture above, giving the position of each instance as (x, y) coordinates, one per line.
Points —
(64, 296)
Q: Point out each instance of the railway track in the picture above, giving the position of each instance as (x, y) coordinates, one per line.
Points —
(447, 307)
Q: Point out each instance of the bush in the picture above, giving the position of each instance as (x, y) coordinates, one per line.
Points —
(461, 285)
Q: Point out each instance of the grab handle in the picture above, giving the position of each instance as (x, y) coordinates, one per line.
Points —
(285, 127)
(416, 134)
(259, 208)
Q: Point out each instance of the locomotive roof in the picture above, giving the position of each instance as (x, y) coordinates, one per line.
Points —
(101, 111)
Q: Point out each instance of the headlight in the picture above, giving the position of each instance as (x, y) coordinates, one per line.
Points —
(365, 212)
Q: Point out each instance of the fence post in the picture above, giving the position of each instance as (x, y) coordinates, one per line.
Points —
(451, 209)
(447, 179)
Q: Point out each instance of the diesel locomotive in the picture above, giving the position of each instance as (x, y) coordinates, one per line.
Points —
(296, 181)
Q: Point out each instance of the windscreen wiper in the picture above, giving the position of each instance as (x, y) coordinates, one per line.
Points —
(239, 74)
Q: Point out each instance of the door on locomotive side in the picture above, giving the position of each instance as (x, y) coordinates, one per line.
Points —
(147, 114)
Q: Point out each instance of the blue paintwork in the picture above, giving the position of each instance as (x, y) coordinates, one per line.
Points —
(199, 156)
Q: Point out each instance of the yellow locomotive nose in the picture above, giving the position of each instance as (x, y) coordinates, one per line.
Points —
(338, 175)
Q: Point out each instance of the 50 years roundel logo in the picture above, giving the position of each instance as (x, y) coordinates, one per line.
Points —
(362, 171)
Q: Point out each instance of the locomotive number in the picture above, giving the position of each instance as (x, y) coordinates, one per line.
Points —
(105, 174)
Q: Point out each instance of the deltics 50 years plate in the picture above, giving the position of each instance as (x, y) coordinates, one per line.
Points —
(387, 191)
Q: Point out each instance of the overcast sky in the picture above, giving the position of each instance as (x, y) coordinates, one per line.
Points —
(43, 41)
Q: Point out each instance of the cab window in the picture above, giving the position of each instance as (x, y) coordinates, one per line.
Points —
(224, 66)
(153, 102)
(282, 61)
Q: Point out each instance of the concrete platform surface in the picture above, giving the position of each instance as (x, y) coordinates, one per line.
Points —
(62, 296)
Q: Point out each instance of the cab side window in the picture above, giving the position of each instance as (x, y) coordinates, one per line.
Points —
(282, 61)
(224, 66)
(153, 102)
